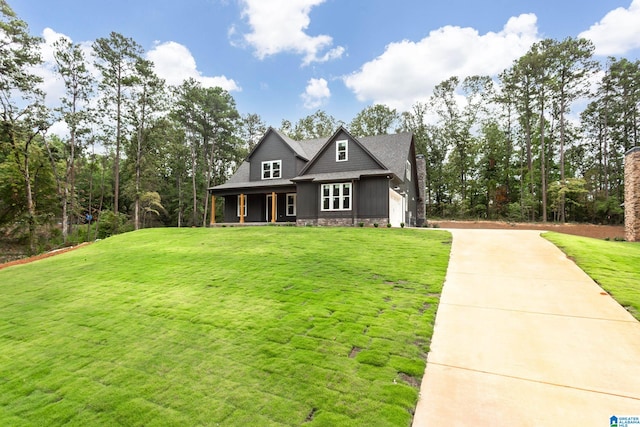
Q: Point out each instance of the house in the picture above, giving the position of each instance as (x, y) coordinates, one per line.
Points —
(340, 180)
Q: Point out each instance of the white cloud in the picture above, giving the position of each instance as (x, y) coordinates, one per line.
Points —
(408, 71)
(279, 26)
(174, 63)
(316, 94)
(618, 32)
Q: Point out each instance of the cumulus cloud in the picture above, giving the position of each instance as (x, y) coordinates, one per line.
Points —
(408, 71)
(174, 63)
(279, 26)
(316, 94)
(52, 85)
(618, 32)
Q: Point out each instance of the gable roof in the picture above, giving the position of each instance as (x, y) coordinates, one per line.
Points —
(330, 141)
(390, 151)
(293, 145)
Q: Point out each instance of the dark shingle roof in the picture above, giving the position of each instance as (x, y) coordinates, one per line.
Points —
(391, 150)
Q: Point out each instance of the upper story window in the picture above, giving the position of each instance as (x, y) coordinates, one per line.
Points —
(408, 170)
(342, 150)
(271, 169)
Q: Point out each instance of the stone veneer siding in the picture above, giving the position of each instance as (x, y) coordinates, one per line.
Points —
(632, 195)
(343, 222)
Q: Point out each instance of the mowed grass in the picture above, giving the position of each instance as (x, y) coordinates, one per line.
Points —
(262, 326)
(615, 266)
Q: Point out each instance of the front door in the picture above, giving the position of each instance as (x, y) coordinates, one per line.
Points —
(269, 209)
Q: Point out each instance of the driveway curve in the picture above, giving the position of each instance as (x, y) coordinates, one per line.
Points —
(524, 337)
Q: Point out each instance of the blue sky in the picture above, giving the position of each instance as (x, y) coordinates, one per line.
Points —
(284, 59)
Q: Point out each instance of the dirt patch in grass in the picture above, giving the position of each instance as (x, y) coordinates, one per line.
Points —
(412, 381)
(354, 352)
(587, 230)
(41, 256)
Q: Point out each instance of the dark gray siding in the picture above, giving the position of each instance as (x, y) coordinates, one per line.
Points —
(358, 159)
(308, 203)
(273, 148)
(411, 188)
(373, 198)
(257, 208)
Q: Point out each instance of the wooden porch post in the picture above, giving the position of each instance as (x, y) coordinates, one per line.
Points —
(273, 206)
(241, 208)
(213, 210)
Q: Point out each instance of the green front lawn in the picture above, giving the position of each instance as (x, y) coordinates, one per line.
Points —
(230, 326)
(615, 266)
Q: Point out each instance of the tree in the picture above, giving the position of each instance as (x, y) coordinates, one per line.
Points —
(24, 119)
(71, 67)
(209, 118)
(251, 131)
(457, 123)
(317, 125)
(428, 142)
(147, 94)
(116, 59)
(376, 119)
(571, 68)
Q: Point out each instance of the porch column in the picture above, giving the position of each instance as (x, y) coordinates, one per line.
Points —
(213, 210)
(273, 206)
(241, 208)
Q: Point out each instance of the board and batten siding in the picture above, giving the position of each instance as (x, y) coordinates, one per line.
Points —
(273, 148)
(357, 158)
(308, 203)
(373, 197)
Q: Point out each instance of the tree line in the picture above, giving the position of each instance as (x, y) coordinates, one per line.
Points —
(140, 153)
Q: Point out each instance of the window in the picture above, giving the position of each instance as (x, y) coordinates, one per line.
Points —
(244, 196)
(291, 204)
(336, 197)
(408, 170)
(271, 169)
(342, 151)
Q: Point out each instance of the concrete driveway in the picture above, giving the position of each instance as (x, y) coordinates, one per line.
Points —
(523, 337)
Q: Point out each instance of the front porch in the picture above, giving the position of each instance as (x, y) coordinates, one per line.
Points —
(257, 208)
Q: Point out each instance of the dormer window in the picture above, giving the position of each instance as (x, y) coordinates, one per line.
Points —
(342, 150)
(271, 169)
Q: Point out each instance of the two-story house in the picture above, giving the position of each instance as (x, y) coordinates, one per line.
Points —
(340, 180)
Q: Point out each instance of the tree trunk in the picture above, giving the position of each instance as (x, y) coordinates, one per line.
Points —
(116, 162)
(543, 172)
(194, 186)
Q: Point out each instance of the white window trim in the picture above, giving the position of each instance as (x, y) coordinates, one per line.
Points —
(346, 150)
(238, 206)
(269, 201)
(270, 170)
(341, 195)
(295, 199)
(408, 170)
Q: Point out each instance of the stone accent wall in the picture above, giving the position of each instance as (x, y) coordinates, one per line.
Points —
(342, 222)
(421, 166)
(632, 195)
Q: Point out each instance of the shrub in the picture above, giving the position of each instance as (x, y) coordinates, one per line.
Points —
(375, 224)
(402, 225)
(388, 225)
(361, 224)
(110, 224)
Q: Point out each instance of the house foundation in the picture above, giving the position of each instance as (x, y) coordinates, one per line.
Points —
(632, 195)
